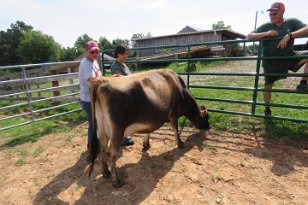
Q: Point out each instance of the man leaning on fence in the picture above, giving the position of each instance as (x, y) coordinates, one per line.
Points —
(288, 29)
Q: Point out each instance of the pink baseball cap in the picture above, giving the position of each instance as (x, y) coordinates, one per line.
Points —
(92, 45)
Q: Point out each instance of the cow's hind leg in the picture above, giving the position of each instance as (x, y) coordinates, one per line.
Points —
(103, 141)
(115, 149)
(105, 171)
(146, 142)
(174, 124)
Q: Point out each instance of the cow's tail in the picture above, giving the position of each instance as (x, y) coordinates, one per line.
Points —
(94, 144)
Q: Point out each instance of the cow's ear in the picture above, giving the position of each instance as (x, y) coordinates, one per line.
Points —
(203, 111)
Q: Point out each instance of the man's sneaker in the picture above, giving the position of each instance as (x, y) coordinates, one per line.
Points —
(302, 86)
(267, 111)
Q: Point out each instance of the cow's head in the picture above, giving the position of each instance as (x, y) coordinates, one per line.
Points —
(204, 124)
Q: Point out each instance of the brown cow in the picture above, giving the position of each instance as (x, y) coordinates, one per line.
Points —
(138, 103)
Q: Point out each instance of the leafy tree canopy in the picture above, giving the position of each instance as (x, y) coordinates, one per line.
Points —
(36, 47)
(9, 42)
(220, 25)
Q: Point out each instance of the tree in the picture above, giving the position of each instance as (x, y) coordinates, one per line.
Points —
(119, 41)
(136, 36)
(36, 47)
(9, 42)
(68, 54)
(104, 43)
(148, 35)
(81, 43)
(220, 25)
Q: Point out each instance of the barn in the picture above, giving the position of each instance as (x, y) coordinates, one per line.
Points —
(188, 35)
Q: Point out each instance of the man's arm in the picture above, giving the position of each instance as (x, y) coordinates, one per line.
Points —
(295, 34)
(300, 32)
(254, 35)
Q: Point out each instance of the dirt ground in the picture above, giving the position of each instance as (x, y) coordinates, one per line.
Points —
(219, 168)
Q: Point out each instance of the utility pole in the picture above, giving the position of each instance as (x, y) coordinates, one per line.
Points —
(255, 27)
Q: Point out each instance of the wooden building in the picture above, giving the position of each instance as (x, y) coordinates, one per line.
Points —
(187, 35)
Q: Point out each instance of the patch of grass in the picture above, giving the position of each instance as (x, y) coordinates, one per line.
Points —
(8, 151)
(38, 151)
(23, 152)
(184, 122)
(77, 187)
(13, 121)
(200, 66)
(20, 162)
(31, 132)
(68, 138)
(210, 147)
(213, 178)
(285, 130)
(281, 129)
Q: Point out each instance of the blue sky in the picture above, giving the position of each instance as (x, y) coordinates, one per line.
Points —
(67, 19)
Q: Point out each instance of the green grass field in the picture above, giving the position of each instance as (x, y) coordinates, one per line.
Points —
(284, 130)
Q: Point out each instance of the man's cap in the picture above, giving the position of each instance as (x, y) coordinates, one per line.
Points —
(92, 45)
(277, 6)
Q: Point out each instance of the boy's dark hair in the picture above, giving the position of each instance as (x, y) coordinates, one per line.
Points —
(120, 49)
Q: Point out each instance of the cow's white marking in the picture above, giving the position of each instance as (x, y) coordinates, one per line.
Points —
(103, 121)
(138, 127)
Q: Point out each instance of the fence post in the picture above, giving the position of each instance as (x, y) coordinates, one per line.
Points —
(38, 86)
(103, 63)
(188, 68)
(29, 95)
(55, 84)
(256, 84)
(137, 57)
(69, 71)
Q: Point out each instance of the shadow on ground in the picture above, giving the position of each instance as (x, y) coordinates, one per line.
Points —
(141, 178)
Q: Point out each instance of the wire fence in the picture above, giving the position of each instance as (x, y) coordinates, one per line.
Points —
(17, 87)
(255, 89)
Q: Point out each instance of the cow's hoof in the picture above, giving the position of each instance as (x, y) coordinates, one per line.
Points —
(181, 145)
(106, 174)
(118, 184)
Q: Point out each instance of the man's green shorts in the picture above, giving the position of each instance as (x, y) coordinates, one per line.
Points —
(282, 67)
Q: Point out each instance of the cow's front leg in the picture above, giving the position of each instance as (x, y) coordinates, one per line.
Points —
(146, 142)
(117, 182)
(174, 124)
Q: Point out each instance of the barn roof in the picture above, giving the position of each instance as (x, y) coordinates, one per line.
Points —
(188, 29)
(227, 32)
(106, 57)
